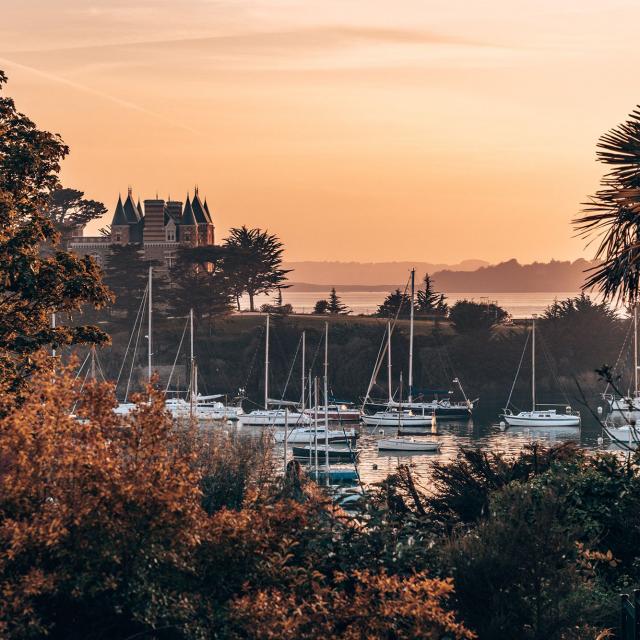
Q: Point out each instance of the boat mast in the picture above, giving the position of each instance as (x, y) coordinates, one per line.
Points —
(635, 350)
(53, 326)
(413, 292)
(389, 361)
(266, 367)
(191, 363)
(533, 363)
(150, 308)
(304, 347)
(326, 397)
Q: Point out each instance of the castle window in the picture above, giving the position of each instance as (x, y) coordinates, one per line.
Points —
(170, 260)
(187, 236)
(118, 236)
(171, 235)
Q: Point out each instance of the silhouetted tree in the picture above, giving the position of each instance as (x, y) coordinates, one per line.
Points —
(254, 263)
(568, 325)
(200, 282)
(36, 283)
(396, 303)
(468, 316)
(429, 301)
(68, 209)
(127, 274)
(321, 307)
(335, 306)
(612, 214)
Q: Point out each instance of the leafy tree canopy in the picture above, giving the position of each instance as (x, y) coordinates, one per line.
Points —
(321, 307)
(68, 208)
(468, 316)
(36, 283)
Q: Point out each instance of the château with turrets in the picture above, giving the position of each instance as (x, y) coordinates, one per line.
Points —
(160, 228)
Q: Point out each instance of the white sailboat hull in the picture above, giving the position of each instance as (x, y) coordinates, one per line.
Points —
(392, 419)
(626, 433)
(273, 418)
(542, 419)
(308, 435)
(400, 444)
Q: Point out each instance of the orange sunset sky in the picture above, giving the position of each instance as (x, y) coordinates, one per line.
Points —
(367, 130)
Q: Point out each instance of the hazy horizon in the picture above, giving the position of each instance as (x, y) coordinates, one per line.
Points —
(363, 130)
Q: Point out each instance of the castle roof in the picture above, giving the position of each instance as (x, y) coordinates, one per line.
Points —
(119, 216)
(188, 217)
(201, 213)
(131, 210)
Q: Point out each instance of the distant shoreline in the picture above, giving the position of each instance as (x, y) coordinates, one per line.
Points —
(308, 287)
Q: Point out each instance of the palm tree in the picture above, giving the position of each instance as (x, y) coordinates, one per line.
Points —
(612, 216)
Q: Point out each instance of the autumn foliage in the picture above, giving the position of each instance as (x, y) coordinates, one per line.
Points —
(111, 527)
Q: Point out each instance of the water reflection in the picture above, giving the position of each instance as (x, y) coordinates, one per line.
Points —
(482, 431)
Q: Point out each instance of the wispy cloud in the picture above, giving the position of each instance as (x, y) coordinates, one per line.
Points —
(126, 104)
(313, 38)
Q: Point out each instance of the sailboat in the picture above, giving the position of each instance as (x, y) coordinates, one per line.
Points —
(199, 407)
(538, 417)
(441, 407)
(628, 407)
(125, 408)
(406, 444)
(272, 417)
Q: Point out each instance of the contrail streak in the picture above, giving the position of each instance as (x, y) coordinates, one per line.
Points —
(94, 92)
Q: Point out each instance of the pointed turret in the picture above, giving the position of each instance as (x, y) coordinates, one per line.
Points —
(188, 217)
(200, 213)
(119, 216)
(131, 209)
(139, 207)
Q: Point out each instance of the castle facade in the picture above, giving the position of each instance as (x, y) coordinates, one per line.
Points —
(160, 228)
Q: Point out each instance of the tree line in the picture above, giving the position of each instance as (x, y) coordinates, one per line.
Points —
(210, 279)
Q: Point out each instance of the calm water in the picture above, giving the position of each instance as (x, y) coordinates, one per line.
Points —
(519, 305)
(483, 430)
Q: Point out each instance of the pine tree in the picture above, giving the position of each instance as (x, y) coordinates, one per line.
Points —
(429, 301)
(335, 306)
(396, 303)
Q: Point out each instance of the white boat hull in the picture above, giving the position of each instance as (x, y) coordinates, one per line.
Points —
(309, 435)
(391, 419)
(399, 444)
(542, 419)
(626, 433)
(335, 415)
(273, 419)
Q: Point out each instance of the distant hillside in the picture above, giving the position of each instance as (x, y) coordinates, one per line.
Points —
(368, 273)
(506, 277)
(513, 277)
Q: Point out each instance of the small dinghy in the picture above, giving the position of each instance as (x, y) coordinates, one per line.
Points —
(336, 454)
(408, 444)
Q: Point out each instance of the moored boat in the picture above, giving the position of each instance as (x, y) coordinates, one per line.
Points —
(335, 454)
(311, 434)
(397, 418)
(336, 412)
(537, 416)
(408, 444)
